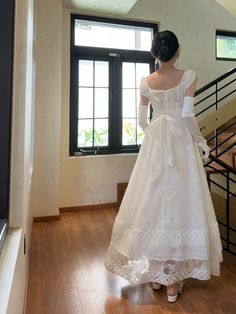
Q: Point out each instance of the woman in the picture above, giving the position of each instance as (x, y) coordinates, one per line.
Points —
(166, 229)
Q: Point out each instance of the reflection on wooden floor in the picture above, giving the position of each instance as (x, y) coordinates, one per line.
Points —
(67, 275)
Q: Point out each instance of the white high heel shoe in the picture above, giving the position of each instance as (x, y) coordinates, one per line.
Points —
(156, 286)
(173, 298)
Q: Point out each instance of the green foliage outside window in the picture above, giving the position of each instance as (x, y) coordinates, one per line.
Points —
(101, 136)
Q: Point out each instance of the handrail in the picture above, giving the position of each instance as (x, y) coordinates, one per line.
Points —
(224, 141)
(223, 151)
(221, 131)
(213, 90)
(212, 83)
(218, 171)
(227, 234)
(222, 188)
(221, 163)
(214, 160)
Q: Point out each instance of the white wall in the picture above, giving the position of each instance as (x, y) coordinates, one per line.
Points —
(229, 5)
(92, 180)
(83, 180)
(14, 261)
(195, 23)
(48, 102)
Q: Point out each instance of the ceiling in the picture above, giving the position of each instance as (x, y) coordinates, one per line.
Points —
(117, 7)
(229, 5)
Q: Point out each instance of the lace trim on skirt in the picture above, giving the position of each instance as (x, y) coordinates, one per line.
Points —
(180, 244)
(165, 256)
(164, 272)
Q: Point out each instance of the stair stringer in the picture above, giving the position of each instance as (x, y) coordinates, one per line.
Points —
(217, 118)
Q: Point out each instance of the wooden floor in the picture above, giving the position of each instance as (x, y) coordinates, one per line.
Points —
(67, 275)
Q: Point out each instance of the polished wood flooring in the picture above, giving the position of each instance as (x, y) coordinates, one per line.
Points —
(67, 275)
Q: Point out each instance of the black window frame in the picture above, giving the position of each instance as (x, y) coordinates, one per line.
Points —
(227, 34)
(115, 57)
(7, 17)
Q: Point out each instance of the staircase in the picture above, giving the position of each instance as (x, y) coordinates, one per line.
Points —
(215, 109)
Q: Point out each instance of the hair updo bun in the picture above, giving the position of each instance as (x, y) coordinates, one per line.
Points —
(164, 45)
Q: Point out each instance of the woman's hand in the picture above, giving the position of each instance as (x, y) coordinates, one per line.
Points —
(204, 151)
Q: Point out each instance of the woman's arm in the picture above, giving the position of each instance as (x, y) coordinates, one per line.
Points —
(191, 121)
(143, 112)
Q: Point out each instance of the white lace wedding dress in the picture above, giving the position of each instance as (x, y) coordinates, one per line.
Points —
(166, 229)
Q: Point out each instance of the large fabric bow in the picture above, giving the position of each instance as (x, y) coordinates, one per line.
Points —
(162, 130)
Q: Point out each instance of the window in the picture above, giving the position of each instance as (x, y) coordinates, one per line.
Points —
(108, 59)
(225, 45)
(6, 60)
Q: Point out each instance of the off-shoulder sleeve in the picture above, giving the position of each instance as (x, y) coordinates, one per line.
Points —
(143, 88)
(190, 77)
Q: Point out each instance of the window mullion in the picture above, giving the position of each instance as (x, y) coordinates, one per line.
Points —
(136, 114)
(93, 132)
(74, 104)
(117, 104)
(110, 115)
(85, 142)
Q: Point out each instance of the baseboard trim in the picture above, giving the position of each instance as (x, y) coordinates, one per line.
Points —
(88, 207)
(120, 190)
(47, 218)
(121, 187)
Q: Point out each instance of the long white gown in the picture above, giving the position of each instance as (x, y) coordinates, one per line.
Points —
(166, 229)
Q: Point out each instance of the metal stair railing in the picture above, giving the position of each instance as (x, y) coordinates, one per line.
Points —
(226, 184)
(223, 177)
(212, 90)
(209, 98)
(218, 144)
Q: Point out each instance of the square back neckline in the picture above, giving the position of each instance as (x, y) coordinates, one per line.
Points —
(165, 90)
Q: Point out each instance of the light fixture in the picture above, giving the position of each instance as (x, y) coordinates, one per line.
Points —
(119, 7)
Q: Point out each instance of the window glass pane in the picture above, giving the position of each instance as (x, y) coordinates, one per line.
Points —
(132, 74)
(85, 73)
(142, 69)
(101, 132)
(128, 103)
(99, 96)
(101, 102)
(140, 135)
(85, 102)
(93, 102)
(146, 39)
(226, 46)
(129, 132)
(101, 74)
(85, 133)
(108, 35)
(128, 75)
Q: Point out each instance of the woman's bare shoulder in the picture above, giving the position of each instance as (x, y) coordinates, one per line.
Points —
(181, 71)
(151, 75)
(165, 79)
(158, 73)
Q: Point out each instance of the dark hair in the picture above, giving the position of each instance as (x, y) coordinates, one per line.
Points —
(164, 45)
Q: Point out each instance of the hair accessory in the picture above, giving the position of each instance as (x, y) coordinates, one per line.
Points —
(165, 49)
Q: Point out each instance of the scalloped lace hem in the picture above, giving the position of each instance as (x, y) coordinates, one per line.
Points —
(180, 244)
(165, 272)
